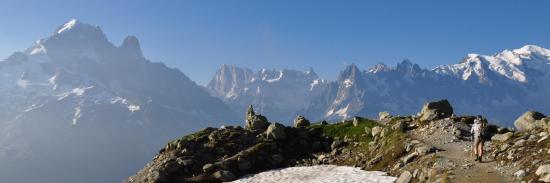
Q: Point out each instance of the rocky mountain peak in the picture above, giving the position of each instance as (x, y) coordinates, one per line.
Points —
(380, 67)
(350, 72)
(131, 46)
(408, 67)
(311, 72)
(75, 26)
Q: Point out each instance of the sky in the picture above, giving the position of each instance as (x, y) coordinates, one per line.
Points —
(197, 37)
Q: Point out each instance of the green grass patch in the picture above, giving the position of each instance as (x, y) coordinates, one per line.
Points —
(191, 136)
(393, 149)
(347, 129)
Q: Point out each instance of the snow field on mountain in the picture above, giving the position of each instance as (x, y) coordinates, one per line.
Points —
(318, 174)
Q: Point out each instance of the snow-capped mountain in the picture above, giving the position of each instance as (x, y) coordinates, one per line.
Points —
(499, 86)
(521, 65)
(278, 94)
(77, 104)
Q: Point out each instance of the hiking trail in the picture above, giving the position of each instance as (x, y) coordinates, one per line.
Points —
(454, 153)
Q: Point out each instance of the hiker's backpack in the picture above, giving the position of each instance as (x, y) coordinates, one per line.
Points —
(478, 128)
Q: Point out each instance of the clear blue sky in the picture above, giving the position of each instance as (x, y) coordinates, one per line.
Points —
(198, 36)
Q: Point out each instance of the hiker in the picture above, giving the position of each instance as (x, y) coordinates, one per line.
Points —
(478, 132)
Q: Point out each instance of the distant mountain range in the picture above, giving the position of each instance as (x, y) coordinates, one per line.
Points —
(500, 87)
(278, 94)
(76, 108)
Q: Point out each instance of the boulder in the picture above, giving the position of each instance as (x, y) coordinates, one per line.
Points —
(410, 157)
(502, 137)
(376, 131)
(531, 120)
(423, 149)
(405, 177)
(336, 144)
(208, 167)
(301, 121)
(384, 115)
(276, 131)
(368, 131)
(224, 175)
(545, 178)
(520, 174)
(519, 143)
(543, 170)
(255, 122)
(436, 110)
(399, 126)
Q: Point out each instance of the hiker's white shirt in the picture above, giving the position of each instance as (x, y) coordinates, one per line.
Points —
(476, 128)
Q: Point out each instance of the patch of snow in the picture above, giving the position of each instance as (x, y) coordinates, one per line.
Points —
(22, 83)
(133, 108)
(77, 114)
(38, 49)
(276, 79)
(80, 91)
(330, 112)
(343, 112)
(319, 174)
(348, 83)
(313, 84)
(69, 25)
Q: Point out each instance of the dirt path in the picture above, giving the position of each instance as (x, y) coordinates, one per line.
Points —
(455, 154)
(467, 170)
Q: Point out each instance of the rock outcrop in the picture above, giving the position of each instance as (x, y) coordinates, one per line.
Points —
(255, 121)
(276, 131)
(531, 120)
(301, 121)
(436, 110)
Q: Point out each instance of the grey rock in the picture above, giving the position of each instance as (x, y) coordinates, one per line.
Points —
(504, 147)
(224, 175)
(409, 158)
(543, 170)
(519, 143)
(184, 162)
(276, 131)
(384, 115)
(375, 131)
(436, 110)
(531, 120)
(520, 174)
(405, 177)
(423, 149)
(542, 139)
(208, 167)
(301, 121)
(399, 126)
(336, 144)
(368, 131)
(255, 122)
(502, 137)
(384, 132)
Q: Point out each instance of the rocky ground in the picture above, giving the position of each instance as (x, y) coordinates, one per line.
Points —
(433, 146)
